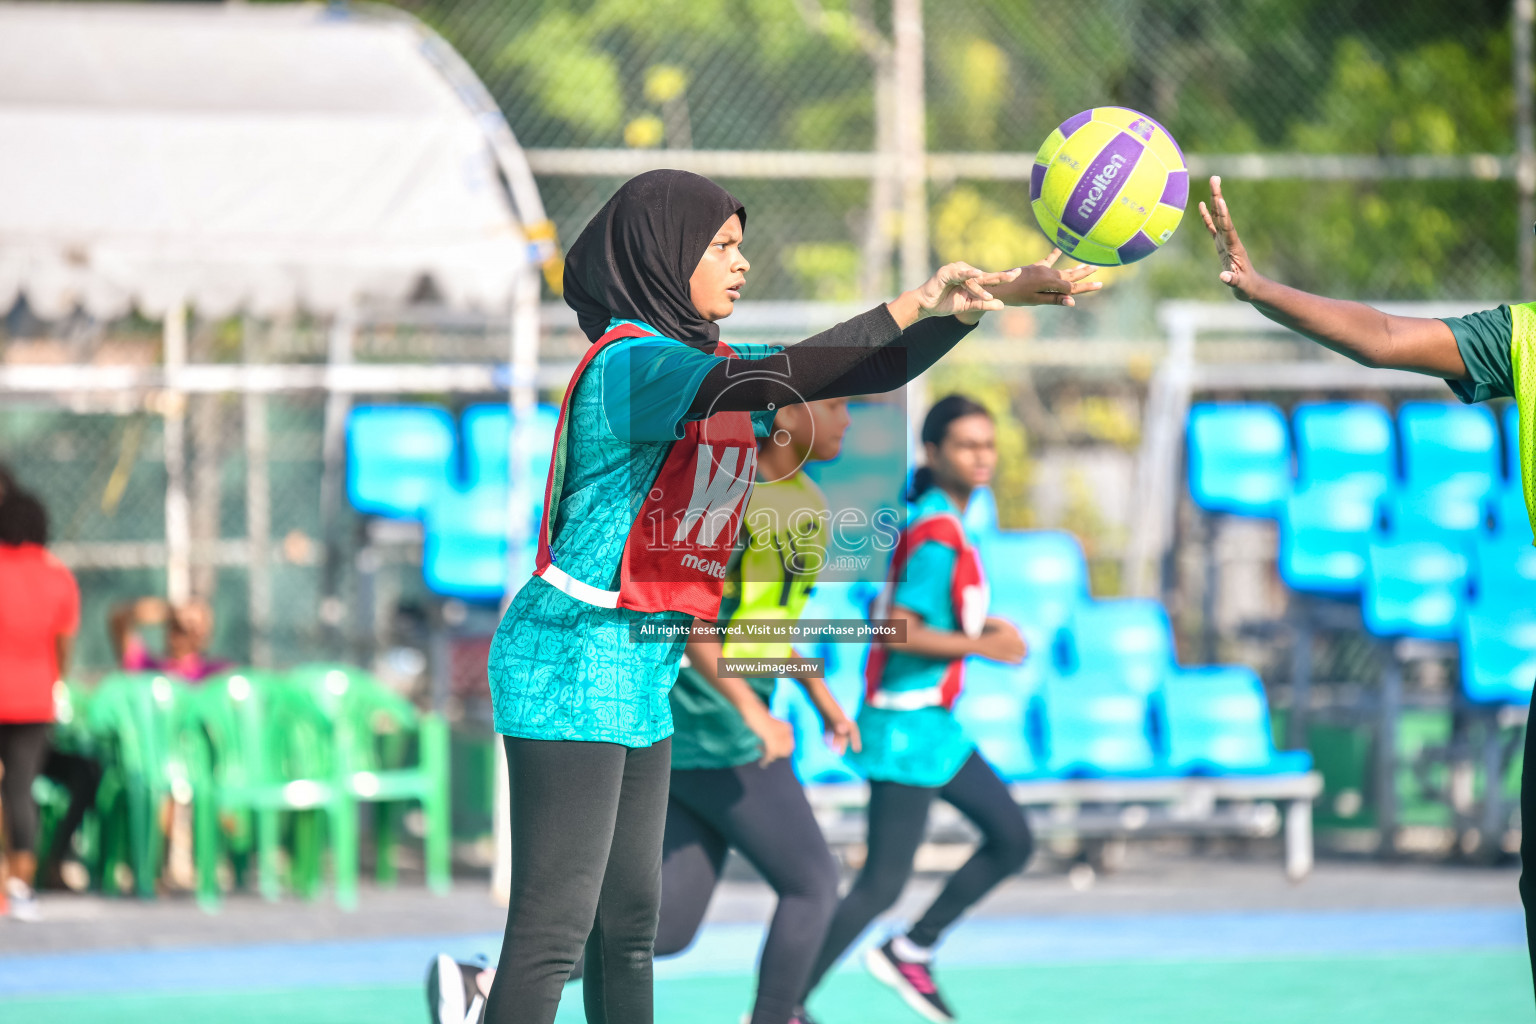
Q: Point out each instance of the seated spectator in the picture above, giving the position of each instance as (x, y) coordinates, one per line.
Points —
(187, 630)
(39, 615)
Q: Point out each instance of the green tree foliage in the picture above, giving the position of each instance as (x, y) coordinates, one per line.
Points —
(1312, 76)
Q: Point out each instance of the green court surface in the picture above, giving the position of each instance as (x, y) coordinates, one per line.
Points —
(1444, 988)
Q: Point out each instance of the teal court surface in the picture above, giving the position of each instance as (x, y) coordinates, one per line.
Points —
(1356, 944)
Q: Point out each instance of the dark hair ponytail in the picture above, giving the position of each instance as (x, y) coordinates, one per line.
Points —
(935, 427)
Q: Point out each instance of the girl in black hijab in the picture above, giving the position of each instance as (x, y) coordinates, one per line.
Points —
(579, 695)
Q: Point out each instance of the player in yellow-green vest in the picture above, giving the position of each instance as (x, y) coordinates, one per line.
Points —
(732, 783)
(1491, 354)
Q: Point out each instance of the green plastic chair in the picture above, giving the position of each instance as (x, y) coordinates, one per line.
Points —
(268, 751)
(135, 724)
(374, 728)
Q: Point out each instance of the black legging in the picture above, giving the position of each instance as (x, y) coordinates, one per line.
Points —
(898, 817)
(587, 822)
(24, 755)
(23, 749)
(763, 813)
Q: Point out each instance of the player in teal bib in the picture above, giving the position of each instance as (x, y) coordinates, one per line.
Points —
(913, 749)
(921, 746)
(580, 695)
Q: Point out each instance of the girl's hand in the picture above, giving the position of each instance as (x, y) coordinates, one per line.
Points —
(1237, 270)
(959, 288)
(842, 733)
(1000, 641)
(777, 736)
(1041, 284)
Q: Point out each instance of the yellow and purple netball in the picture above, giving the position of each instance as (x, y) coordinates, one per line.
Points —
(1109, 186)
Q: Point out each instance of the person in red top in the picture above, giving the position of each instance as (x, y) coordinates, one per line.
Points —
(188, 627)
(39, 615)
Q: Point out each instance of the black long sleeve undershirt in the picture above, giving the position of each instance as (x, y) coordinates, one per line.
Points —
(866, 355)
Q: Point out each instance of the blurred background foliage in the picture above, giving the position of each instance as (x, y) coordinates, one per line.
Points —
(1283, 76)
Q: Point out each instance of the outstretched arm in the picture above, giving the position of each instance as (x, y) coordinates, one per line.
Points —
(881, 350)
(1368, 336)
(803, 371)
(927, 341)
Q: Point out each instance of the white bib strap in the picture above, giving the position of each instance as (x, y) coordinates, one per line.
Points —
(570, 586)
(907, 700)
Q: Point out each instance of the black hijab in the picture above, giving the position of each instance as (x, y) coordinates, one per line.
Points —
(634, 259)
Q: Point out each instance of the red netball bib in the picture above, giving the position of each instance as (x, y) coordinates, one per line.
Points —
(675, 554)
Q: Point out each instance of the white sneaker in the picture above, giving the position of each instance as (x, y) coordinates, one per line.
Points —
(23, 901)
(453, 991)
(445, 991)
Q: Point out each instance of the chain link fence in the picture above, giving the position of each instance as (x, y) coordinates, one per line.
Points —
(1367, 150)
(1269, 94)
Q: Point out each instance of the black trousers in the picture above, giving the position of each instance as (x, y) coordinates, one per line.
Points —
(25, 754)
(898, 817)
(587, 824)
(763, 813)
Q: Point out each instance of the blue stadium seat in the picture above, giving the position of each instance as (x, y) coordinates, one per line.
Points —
(1498, 654)
(465, 553)
(399, 458)
(1215, 721)
(876, 430)
(1448, 444)
(1416, 588)
(487, 435)
(980, 516)
(1095, 725)
(994, 709)
(1038, 578)
(1344, 441)
(1126, 639)
(1445, 512)
(1419, 564)
(867, 477)
(1505, 558)
(1512, 470)
(1510, 518)
(1498, 631)
(1239, 458)
(1325, 530)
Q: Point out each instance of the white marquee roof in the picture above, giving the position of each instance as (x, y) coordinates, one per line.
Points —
(251, 157)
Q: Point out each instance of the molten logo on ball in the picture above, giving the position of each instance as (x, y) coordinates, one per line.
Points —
(1100, 182)
(1109, 186)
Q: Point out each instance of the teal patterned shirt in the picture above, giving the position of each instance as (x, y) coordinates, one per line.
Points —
(923, 746)
(561, 669)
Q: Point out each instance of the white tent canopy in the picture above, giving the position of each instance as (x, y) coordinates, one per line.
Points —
(243, 157)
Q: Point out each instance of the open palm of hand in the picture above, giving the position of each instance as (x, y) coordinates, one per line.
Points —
(1041, 284)
(1237, 270)
(959, 288)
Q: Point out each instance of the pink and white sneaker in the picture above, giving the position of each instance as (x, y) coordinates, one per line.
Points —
(912, 980)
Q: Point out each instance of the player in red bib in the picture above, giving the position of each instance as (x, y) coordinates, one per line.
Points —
(654, 459)
(914, 750)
